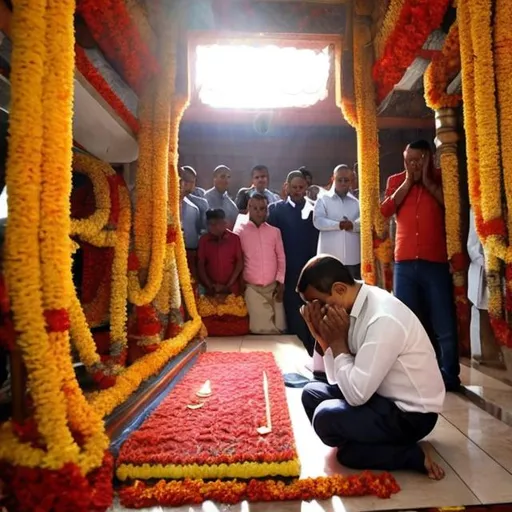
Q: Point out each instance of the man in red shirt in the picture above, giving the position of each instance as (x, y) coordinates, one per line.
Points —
(422, 277)
(220, 260)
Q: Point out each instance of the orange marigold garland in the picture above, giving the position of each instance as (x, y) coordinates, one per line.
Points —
(188, 492)
(442, 69)
(417, 20)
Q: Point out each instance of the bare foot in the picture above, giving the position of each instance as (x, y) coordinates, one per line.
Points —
(434, 470)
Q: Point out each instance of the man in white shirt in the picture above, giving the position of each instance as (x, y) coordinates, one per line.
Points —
(384, 389)
(336, 216)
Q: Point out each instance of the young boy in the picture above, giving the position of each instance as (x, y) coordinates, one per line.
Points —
(220, 260)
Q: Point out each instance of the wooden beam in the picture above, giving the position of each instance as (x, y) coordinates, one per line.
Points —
(294, 117)
(455, 86)
(413, 77)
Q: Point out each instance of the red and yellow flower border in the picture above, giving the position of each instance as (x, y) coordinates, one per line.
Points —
(406, 27)
(233, 305)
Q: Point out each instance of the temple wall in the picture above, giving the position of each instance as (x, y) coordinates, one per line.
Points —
(282, 149)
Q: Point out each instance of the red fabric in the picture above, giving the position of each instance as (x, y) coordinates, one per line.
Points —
(220, 257)
(420, 232)
(227, 325)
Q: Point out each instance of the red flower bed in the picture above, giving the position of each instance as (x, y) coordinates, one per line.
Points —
(188, 492)
(223, 431)
(226, 325)
(417, 20)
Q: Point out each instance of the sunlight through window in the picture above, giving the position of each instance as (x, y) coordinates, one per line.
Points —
(247, 77)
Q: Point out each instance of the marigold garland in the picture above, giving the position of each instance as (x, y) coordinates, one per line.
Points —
(94, 77)
(67, 433)
(389, 24)
(443, 68)
(189, 492)
(416, 21)
(233, 305)
(476, 53)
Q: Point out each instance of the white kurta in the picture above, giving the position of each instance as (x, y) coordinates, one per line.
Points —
(477, 285)
(330, 210)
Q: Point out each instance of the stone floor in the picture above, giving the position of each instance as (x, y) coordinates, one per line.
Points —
(474, 447)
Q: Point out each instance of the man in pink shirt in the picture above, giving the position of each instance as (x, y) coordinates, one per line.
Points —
(264, 269)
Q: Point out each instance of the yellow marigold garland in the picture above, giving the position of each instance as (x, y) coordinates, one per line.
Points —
(45, 32)
(98, 173)
(367, 150)
(22, 261)
(232, 305)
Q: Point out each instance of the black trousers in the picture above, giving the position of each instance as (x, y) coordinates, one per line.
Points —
(376, 435)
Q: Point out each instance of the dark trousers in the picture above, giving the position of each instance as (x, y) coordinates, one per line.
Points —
(426, 288)
(376, 435)
(355, 271)
(294, 321)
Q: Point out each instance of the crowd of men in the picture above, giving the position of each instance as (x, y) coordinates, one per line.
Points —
(257, 244)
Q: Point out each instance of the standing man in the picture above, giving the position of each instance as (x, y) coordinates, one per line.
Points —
(218, 198)
(220, 260)
(422, 278)
(294, 218)
(260, 180)
(384, 390)
(264, 269)
(188, 177)
(191, 225)
(336, 216)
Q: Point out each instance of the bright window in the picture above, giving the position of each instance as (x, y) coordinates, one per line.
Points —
(249, 77)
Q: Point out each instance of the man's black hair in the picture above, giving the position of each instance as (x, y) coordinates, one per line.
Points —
(306, 172)
(421, 144)
(260, 168)
(321, 272)
(215, 214)
(259, 197)
(186, 169)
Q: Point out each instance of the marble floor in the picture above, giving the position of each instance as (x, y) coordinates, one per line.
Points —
(474, 447)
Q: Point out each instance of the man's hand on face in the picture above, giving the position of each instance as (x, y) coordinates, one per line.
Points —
(424, 169)
(333, 329)
(312, 314)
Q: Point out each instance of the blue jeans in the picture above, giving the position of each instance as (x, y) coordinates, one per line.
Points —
(426, 288)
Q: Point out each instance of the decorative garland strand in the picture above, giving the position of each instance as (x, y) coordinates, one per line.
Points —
(22, 262)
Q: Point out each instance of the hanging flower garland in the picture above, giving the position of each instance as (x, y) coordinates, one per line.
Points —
(367, 150)
(94, 77)
(66, 434)
(120, 40)
(503, 69)
(416, 21)
(443, 68)
(475, 40)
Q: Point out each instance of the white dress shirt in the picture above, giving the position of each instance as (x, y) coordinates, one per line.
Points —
(330, 210)
(393, 357)
(307, 209)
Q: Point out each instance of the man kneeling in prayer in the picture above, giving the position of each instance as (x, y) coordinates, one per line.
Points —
(384, 389)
